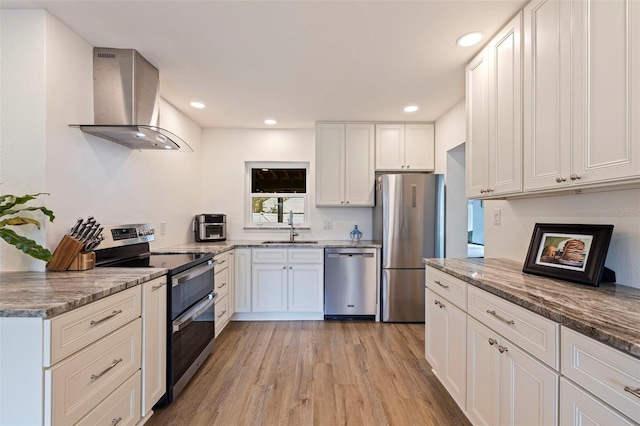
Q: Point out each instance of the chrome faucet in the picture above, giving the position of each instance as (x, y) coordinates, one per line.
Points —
(292, 234)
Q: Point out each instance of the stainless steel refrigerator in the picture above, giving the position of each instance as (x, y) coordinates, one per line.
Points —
(409, 221)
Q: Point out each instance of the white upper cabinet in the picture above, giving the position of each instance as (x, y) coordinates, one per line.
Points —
(582, 96)
(344, 164)
(405, 147)
(494, 125)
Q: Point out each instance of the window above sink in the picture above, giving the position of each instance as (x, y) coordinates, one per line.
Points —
(272, 190)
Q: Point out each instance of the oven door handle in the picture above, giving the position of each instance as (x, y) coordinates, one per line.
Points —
(187, 318)
(193, 272)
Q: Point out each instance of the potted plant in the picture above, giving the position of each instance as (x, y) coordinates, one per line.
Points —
(10, 208)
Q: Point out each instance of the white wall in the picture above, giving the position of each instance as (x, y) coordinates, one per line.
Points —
(85, 175)
(22, 120)
(450, 132)
(511, 238)
(223, 172)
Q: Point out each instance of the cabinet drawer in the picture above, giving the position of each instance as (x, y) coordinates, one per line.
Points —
(75, 386)
(222, 262)
(302, 255)
(221, 281)
(269, 255)
(577, 407)
(533, 333)
(122, 407)
(603, 371)
(451, 288)
(70, 332)
(222, 313)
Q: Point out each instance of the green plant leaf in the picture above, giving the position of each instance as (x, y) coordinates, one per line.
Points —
(28, 246)
(16, 221)
(44, 210)
(8, 201)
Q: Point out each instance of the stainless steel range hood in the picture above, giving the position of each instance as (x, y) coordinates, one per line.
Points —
(126, 102)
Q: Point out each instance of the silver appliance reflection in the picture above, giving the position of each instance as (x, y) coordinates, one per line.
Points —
(409, 221)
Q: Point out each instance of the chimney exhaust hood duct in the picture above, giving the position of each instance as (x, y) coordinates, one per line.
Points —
(126, 102)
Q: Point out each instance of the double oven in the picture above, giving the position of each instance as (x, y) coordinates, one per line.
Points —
(190, 298)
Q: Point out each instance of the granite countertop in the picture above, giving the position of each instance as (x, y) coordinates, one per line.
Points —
(222, 246)
(45, 294)
(609, 313)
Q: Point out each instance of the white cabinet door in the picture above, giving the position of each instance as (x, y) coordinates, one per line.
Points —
(305, 288)
(269, 288)
(242, 280)
(390, 147)
(606, 90)
(359, 165)
(547, 94)
(154, 342)
(330, 164)
(419, 147)
(505, 110)
(446, 345)
(477, 146)
(528, 390)
(483, 374)
(578, 408)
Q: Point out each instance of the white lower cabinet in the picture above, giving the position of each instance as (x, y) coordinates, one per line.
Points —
(223, 287)
(268, 288)
(579, 408)
(505, 385)
(445, 344)
(154, 343)
(305, 289)
(242, 280)
(121, 408)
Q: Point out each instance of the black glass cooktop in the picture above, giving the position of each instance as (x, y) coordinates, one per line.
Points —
(174, 262)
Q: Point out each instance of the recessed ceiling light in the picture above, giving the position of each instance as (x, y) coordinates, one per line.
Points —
(470, 39)
(410, 108)
(270, 122)
(199, 105)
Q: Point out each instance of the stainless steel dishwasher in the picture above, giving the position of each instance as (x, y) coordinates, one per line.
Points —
(350, 283)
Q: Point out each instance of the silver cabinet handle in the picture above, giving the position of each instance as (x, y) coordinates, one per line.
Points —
(114, 422)
(508, 322)
(223, 312)
(492, 341)
(290, 267)
(635, 392)
(408, 167)
(221, 286)
(438, 303)
(284, 267)
(440, 284)
(502, 349)
(560, 179)
(221, 262)
(156, 287)
(482, 191)
(103, 372)
(574, 176)
(108, 317)
(489, 190)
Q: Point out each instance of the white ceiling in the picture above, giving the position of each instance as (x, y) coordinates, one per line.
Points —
(296, 61)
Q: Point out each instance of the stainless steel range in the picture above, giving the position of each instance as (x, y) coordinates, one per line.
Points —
(190, 298)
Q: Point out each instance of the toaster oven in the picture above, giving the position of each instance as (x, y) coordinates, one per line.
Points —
(210, 227)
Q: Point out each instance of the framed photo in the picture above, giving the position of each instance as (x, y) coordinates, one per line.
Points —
(569, 252)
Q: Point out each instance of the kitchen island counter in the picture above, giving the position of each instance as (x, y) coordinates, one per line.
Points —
(45, 294)
(222, 246)
(609, 313)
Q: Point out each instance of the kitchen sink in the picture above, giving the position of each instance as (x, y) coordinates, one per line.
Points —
(289, 242)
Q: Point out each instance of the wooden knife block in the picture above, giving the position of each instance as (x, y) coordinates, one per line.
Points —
(68, 257)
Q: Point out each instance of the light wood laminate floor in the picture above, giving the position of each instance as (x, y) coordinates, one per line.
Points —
(315, 373)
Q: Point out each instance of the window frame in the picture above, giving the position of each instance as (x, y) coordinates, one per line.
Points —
(248, 208)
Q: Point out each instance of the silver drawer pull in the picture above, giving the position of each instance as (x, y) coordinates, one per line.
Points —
(223, 312)
(113, 364)
(220, 286)
(221, 262)
(113, 314)
(114, 422)
(502, 349)
(438, 303)
(440, 284)
(155, 287)
(508, 322)
(635, 392)
(492, 341)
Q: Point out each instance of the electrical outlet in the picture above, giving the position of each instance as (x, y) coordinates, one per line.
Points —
(163, 228)
(497, 217)
(326, 224)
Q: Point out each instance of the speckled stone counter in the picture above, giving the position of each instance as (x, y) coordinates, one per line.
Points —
(222, 246)
(609, 313)
(45, 294)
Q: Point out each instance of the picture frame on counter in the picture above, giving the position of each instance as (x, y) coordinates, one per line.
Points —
(570, 252)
